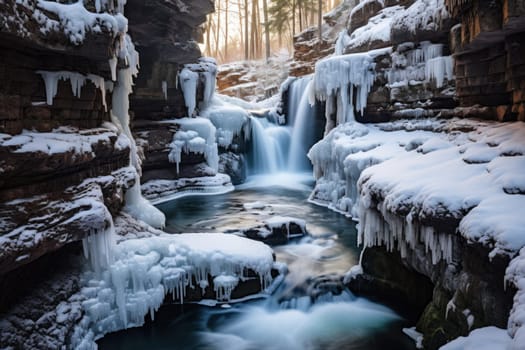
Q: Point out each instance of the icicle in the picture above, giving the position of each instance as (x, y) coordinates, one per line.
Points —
(165, 89)
(188, 82)
(113, 67)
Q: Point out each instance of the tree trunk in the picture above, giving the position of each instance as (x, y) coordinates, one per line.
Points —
(246, 32)
(218, 29)
(320, 22)
(208, 36)
(267, 29)
(226, 20)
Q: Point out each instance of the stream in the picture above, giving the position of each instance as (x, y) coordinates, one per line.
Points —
(304, 312)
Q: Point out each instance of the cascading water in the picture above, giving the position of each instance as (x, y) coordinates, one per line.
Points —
(268, 142)
(283, 148)
(302, 119)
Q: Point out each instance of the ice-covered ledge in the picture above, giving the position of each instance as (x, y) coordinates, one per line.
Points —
(159, 191)
(152, 266)
(443, 195)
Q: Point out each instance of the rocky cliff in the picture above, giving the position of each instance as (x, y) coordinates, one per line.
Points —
(66, 164)
(420, 59)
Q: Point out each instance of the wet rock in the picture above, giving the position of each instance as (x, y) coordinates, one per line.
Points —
(277, 230)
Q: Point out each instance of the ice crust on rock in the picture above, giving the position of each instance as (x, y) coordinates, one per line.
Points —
(77, 81)
(145, 270)
(417, 172)
(335, 79)
(196, 135)
(229, 120)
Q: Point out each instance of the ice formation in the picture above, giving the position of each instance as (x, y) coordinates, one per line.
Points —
(189, 78)
(135, 203)
(413, 64)
(188, 81)
(158, 191)
(196, 135)
(77, 81)
(229, 120)
(76, 21)
(393, 207)
(335, 79)
(146, 270)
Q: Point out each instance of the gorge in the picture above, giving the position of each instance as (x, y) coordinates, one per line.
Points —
(140, 207)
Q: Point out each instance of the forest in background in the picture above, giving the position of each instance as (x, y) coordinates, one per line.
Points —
(256, 29)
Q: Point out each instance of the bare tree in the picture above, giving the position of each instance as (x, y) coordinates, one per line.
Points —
(246, 34)
(267, 29)
(320, 21)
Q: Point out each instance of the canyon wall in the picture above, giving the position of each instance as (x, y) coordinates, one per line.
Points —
(65, 163)
(425, 59)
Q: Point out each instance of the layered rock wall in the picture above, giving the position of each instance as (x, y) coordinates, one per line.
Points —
(489, 48)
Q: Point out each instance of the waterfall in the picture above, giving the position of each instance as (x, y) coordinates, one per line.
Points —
(302, 115)
(269, 142)
(278, 148)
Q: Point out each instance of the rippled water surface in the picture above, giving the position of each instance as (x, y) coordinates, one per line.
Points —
(290, 318)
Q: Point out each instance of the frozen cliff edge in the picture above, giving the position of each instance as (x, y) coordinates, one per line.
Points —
(429, 184)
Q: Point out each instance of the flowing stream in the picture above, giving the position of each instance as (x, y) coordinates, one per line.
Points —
(310, 308)
(305, 312)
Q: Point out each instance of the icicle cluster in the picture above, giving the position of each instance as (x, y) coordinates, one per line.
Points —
(196, 135)
(77, 81)
(146, 270)
(382, 228)
(415, 65)
(189, 78)
(335, 80)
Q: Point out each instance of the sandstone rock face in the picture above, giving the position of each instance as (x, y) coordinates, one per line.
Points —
(252, 80)
(166, 35)
(64, 170)
(308, 49)
(489, 49)
(61, 181)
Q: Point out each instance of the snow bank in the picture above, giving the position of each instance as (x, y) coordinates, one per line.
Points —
(411, 173)
(340, 158)
(145, 270)
(196, 135)
(376, 30)
(75, 21)
(488, 338)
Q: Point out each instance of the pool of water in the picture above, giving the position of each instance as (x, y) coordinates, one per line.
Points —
(290, 318)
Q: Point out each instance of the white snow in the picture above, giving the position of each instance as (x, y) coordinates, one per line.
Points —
(63, 140)
(488, 338)
(409, 172)
(76, 21)
(277, 222)
(376, 30)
